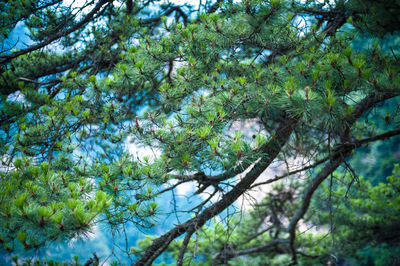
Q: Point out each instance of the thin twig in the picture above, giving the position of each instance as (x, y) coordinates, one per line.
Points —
(89, 16)
(182, 250)
(39, 82)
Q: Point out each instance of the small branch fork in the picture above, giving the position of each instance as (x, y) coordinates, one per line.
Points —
(92, 260)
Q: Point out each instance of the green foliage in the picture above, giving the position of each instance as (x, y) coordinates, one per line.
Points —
(218, 93)
(366, 219)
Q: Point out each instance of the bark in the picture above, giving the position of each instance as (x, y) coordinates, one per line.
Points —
(340, 153)
(6, 58)
(229, 254)
(160, 244)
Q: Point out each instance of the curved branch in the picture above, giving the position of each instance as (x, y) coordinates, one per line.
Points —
(185, 243)
(274, 147)
(308, 193)
(52, 81)
(341, 151)
(214, 7)
(276, 178)
(238, 169)
(87, 18)
(93, 260)
(382, 136)
(229, 254)
(166, 13)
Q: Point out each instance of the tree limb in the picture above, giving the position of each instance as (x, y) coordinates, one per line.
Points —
(185, 243)
(87, 18)
(214, 7)
(166, 13)
(341, 152)
(229, 254)
(160, 244)
(92, 260)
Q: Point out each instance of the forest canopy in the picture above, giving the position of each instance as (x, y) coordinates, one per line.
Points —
(282, 116)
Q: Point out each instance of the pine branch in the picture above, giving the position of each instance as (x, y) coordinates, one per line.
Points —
(185, 243)
(95, 259)
(160, 244)
(166, 13)
(226, 255)
(341, 151)
(6, 58)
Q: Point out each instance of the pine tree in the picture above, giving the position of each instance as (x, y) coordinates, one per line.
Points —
(177, 79)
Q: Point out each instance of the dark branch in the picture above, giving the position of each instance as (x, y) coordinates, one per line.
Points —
(308, 193)
(39, 82)
(215, 6)
(274, 147)
(92, 260)
(166, 13)
(229, 254)
(86, 19)
(182, 250)
(341, 151)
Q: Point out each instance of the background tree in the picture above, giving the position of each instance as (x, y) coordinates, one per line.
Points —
(176, 79)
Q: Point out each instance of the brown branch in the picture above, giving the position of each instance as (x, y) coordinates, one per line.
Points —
(308, 193)
(359, 110)
(383, 136)
(185, 243)
(86, 19)
(247, 240)
(92, 260)
(328, 13)
(45, 5)
(275, 145)
(276, 178)
(179, 10)
(62, 68)
(355, 177)
(129, 6)
(355, 144)
(238, 169)
(39, 82)
(334, 24)
(228, 254)
(341, 151)
(214, 7)
(171, 187)
(166, 13)
(201, 205)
